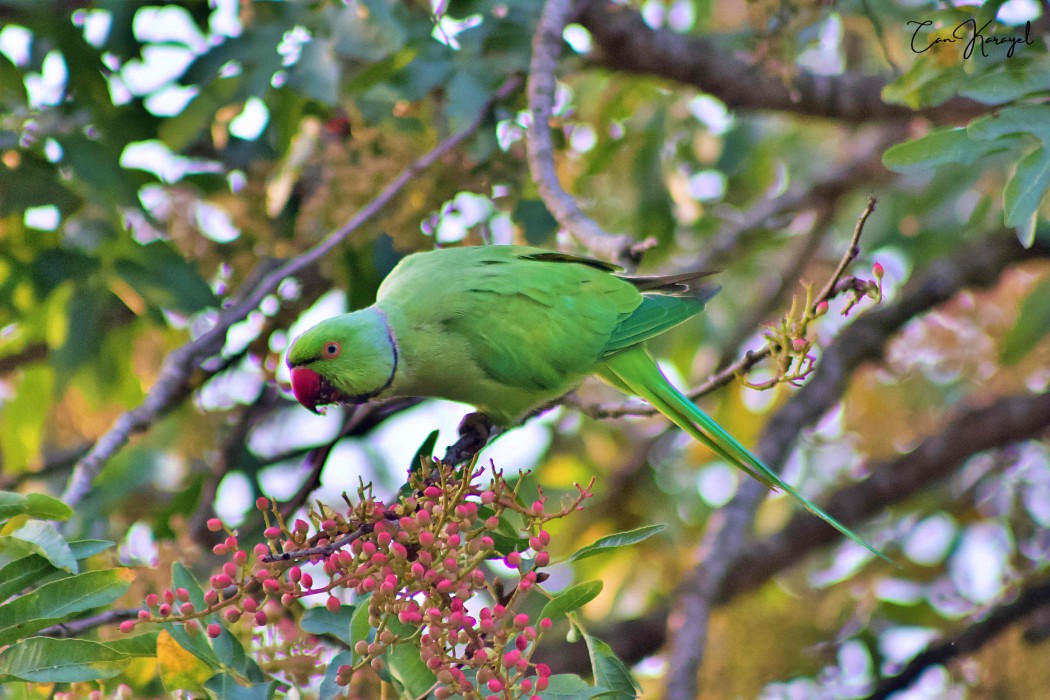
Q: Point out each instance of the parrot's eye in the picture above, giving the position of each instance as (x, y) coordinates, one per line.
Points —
(331, 350)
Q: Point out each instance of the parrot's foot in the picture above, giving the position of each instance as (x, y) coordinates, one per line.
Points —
(474, 432)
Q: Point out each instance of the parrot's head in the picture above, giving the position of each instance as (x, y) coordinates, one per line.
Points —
(347, 359)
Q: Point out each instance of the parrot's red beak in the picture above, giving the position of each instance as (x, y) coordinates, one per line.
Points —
(306, 386)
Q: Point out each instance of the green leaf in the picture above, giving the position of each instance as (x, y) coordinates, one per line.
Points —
(141, 645)
(163, 278)
(565, 686)
(59, 600)
(23, 417)
(1026, 189)
(329, 689)
(225, 687)
(535, 219)
(11, 504)
(571, 599)
(609, 671)
(44, 539)
(935, 148)
(425, 452)
(405, 665)
(46, 660)
(317, 72)
(368, 37)
(359, 627)
(616, 541)
(181, 577)
(1020, 119)
(323, 621)
(39, 505)
(1033, 323)
(1007, 84)
(34, 569)
(197, 644)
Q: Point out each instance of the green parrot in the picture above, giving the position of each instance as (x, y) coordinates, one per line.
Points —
(509, 329)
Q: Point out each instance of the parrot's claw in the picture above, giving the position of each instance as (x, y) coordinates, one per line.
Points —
(474, 432)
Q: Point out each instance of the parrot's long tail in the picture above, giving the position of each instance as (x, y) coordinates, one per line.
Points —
(636, 372)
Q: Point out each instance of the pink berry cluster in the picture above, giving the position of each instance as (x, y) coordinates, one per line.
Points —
(418, 561)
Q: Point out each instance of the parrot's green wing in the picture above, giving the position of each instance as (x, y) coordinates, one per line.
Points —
(541, 321)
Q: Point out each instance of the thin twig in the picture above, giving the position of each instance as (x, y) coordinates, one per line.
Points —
(320, 551)
(851, 252)
(546, 47)
(180, 364)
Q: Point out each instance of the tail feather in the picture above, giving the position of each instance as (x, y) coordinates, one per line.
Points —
(637, 370)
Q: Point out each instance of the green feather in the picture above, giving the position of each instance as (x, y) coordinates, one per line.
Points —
(637, 370)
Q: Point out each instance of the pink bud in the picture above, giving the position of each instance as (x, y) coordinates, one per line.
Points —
(546, 623)
(521, 620)
(151, 599)
(127, 626)
(260, 618)
(214, 524)
(214, 630)
(333, 604)
(272, 533)
(262, 503)
(798, 344)
(822, 308)
(877, 270)
(182, 594)
(301, 526)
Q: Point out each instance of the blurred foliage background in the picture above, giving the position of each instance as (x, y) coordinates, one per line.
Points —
(156, 159)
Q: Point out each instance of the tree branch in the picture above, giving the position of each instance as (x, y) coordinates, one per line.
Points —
(74, 628)
(180, 364)
(546, 46)
(624, 42)
(861, 341)
(1030, 599)
(1008, 420)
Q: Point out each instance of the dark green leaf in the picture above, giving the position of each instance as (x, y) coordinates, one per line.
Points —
(1033, 323)
(329, 689)
(609, 671)
(569, 687)
(322, 621)
(536, 220)
(225, 687)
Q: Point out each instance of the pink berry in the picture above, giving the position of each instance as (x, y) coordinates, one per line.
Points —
(214, 630)
(214, 524)
(333, 604)
(262, 503)
(127, 626)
